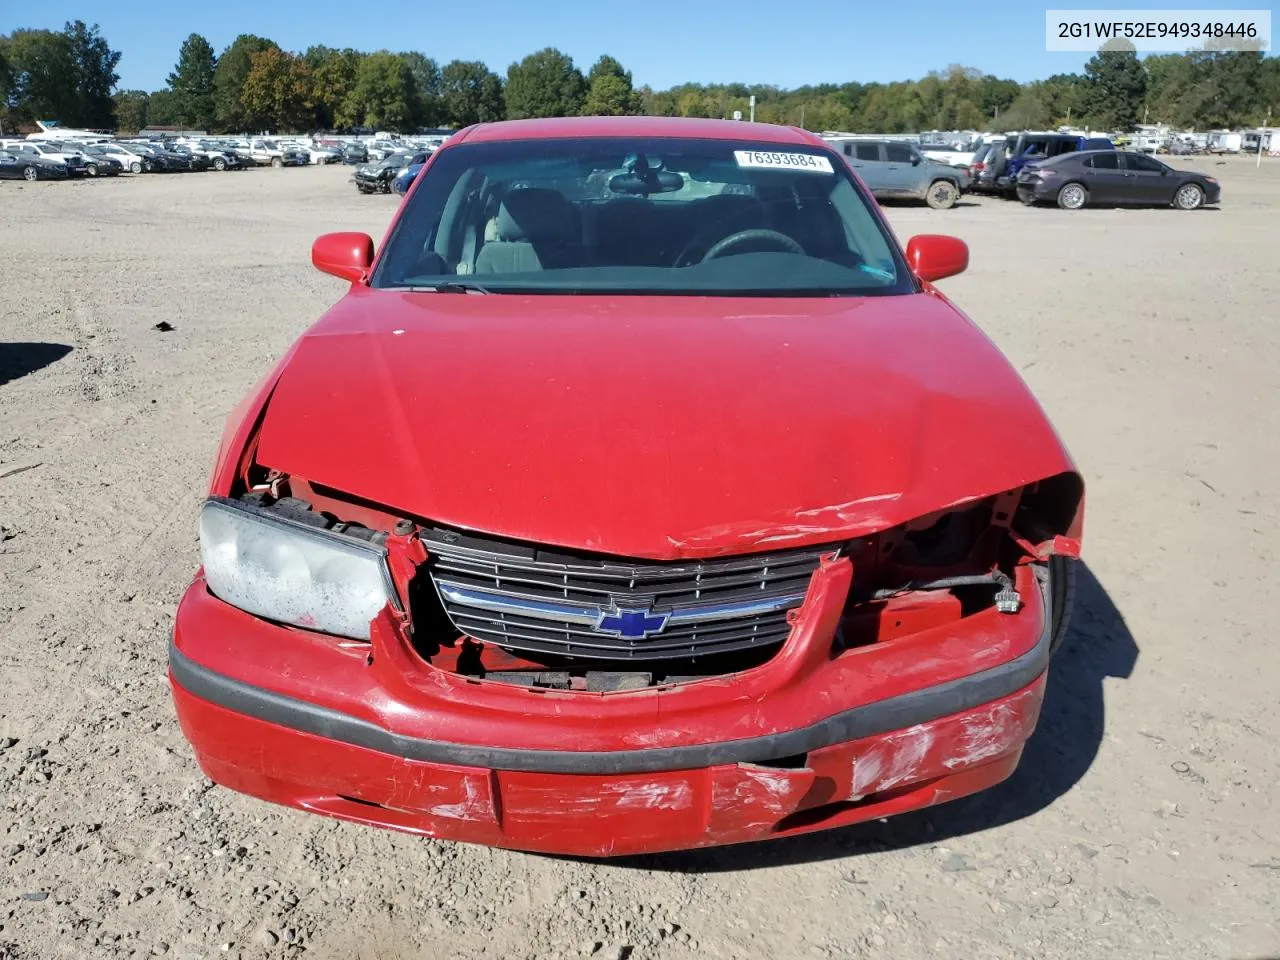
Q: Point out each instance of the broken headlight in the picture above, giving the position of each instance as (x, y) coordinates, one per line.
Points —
(283, 570)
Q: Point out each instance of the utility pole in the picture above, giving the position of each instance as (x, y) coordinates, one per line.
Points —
(752, 103)
(1261, 133)
(802, 116)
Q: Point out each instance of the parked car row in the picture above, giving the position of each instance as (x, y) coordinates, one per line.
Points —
(1074, 172)
(47, 159)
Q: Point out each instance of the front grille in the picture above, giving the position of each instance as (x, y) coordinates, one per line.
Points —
(583, 606)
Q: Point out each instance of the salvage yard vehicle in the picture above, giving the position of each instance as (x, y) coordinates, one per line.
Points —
(220, 156)
(899, 171)
(378, 177)
(51, 153)
(90, 164)
(126, 154)
(1110, 177)
(28, 166)
(195, 158)
(404, 180)
(101, 166)
(266, 152)
(553, 533)
(107, 161)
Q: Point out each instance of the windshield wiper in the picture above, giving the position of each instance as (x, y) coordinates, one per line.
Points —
(448, 286)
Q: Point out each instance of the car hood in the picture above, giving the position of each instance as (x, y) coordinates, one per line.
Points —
(655, 427)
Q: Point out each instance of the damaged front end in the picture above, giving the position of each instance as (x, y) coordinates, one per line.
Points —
(392, 671)
(491, 609)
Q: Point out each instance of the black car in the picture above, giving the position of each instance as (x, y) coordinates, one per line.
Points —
(355, 153)
(160, 160)
(99, 163)
(1110, 177)
(23, 166)
(197, 161)
(378, 177)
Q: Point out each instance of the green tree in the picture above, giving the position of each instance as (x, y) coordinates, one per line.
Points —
(333, 77)
(1116, 88)
(192, 82)
(41, 77)
(1230, 87)
(278, 90)
(428, 109)
(163, 109)
(545, 84)
(94, 65)
(131, 110)
(1028, 112)
(471, 93)
(228, 79)
(609, 90)
(383, 96)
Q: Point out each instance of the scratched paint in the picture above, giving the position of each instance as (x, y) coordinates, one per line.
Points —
(656, 795)
(474, 805)
(986, 735)
(893, 760)
(777, 783)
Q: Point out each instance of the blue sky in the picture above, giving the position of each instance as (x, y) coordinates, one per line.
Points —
(707, 41)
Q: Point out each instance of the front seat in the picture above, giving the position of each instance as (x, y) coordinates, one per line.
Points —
(536, 229)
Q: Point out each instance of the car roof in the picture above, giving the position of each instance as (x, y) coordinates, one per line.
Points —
(684, 127)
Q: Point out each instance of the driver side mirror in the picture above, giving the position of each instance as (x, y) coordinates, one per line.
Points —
(933, 256)
(915, 159)
(343, 255)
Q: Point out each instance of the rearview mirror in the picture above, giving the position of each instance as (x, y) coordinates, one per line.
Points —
(933, 256)
(344, 255)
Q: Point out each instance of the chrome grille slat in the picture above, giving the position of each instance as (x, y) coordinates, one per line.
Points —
(712, 606)
(467, 620)
(554, 642)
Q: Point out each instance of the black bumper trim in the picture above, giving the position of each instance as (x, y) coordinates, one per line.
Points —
(882, 716)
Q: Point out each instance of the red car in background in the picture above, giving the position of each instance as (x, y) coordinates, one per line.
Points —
(641, 494)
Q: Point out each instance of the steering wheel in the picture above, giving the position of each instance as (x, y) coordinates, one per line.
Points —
(780, 240)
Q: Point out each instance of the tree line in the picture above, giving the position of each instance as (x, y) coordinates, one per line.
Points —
(256, 85)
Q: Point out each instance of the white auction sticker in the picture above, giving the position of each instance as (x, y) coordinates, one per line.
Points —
(783, 161)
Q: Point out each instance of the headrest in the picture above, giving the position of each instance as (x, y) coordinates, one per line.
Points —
(536, 213)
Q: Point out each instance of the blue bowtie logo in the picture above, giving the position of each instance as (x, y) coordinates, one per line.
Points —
(632, 624)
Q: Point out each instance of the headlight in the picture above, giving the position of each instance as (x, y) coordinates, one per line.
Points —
(283, 570)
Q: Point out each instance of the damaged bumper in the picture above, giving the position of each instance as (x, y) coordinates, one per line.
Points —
(812, 739)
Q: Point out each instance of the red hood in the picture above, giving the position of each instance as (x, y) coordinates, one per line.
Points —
(656, 427)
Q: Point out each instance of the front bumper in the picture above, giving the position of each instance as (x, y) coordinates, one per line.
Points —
(805, 742)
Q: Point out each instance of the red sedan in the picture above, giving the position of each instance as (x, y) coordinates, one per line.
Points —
(641, 493)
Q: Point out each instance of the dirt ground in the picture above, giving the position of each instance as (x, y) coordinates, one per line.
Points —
(1143, 820)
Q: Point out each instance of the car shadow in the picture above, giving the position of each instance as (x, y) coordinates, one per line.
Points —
(892, 204)
(19, 359)
(1059, 753)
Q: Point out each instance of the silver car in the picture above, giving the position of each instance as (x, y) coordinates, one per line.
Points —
(895, 170)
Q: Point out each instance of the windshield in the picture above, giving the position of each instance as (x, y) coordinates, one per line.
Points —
(641, 216)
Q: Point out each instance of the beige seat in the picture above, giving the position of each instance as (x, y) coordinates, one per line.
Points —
(536, 229)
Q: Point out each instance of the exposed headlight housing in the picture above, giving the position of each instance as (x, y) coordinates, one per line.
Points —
(288, 571)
